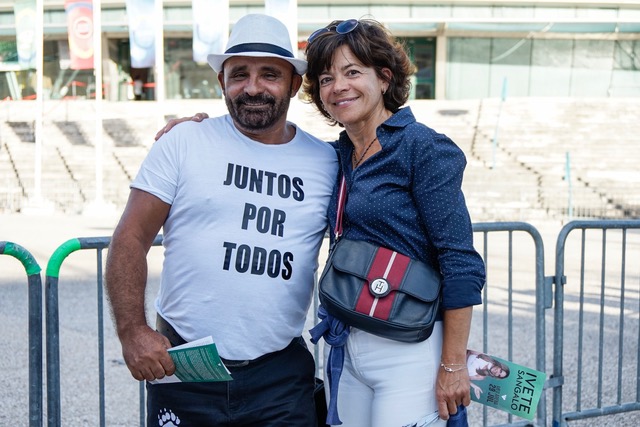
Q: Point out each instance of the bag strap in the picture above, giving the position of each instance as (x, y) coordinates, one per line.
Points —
(342, 199)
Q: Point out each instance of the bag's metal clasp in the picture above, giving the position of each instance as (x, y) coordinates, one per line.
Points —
(379, 287)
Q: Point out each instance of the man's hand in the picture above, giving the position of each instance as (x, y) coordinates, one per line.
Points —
(171, 123)
(145, 353)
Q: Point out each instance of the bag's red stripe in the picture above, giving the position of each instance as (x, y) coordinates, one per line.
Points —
(379, 265)
(394, 277)
(400, 264)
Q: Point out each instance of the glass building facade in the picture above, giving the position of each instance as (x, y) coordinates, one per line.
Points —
(475, 50)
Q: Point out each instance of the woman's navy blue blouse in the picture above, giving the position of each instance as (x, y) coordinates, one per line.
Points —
(408, 197)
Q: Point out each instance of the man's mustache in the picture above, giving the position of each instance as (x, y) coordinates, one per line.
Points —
(252, 100)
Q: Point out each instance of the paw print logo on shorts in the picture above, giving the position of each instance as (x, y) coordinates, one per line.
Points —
(166, 418)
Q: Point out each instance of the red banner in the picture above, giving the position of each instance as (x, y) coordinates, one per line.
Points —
(80, 29)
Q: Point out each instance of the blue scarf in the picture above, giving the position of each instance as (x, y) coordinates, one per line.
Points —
(335, 334)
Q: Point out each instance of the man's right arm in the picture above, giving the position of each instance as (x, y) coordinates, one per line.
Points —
(144, 349)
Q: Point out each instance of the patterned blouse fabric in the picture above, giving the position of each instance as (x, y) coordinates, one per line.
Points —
(408, 197)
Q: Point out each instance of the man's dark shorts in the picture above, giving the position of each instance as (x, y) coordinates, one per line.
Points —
(274, 390)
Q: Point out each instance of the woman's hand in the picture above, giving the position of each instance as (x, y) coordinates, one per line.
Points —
(452, 387)
(452, 390)
(171, 123)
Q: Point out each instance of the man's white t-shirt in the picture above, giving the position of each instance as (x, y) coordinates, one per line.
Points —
(243, 233)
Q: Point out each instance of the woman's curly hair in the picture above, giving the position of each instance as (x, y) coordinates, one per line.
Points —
(375, 47)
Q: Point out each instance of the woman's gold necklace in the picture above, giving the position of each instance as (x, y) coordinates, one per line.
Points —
(364, 153)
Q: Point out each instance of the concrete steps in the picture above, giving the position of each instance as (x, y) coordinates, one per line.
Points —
(516, 151)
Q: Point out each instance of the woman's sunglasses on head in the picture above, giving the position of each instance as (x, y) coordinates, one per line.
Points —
(343, 27)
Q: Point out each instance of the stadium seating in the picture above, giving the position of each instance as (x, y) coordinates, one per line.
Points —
(527, 157)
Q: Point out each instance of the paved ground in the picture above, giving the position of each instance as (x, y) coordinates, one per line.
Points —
(41, 235)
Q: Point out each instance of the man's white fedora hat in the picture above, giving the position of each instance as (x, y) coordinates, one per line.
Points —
(258, 36)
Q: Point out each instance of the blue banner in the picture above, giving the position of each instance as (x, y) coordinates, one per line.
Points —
(142, 33)
(25, 15)
(210, 28)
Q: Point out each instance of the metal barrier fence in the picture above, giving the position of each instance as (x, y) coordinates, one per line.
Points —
(599, 292)
(34, 282)
(498, 239)
(54, 417)
(513, 253)
(512, 323)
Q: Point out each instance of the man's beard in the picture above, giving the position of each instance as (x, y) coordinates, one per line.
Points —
(259, 118)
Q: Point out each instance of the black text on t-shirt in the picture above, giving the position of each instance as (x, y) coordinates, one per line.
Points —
(264, 182)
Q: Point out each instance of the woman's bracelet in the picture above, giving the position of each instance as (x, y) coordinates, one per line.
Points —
(448, 367)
